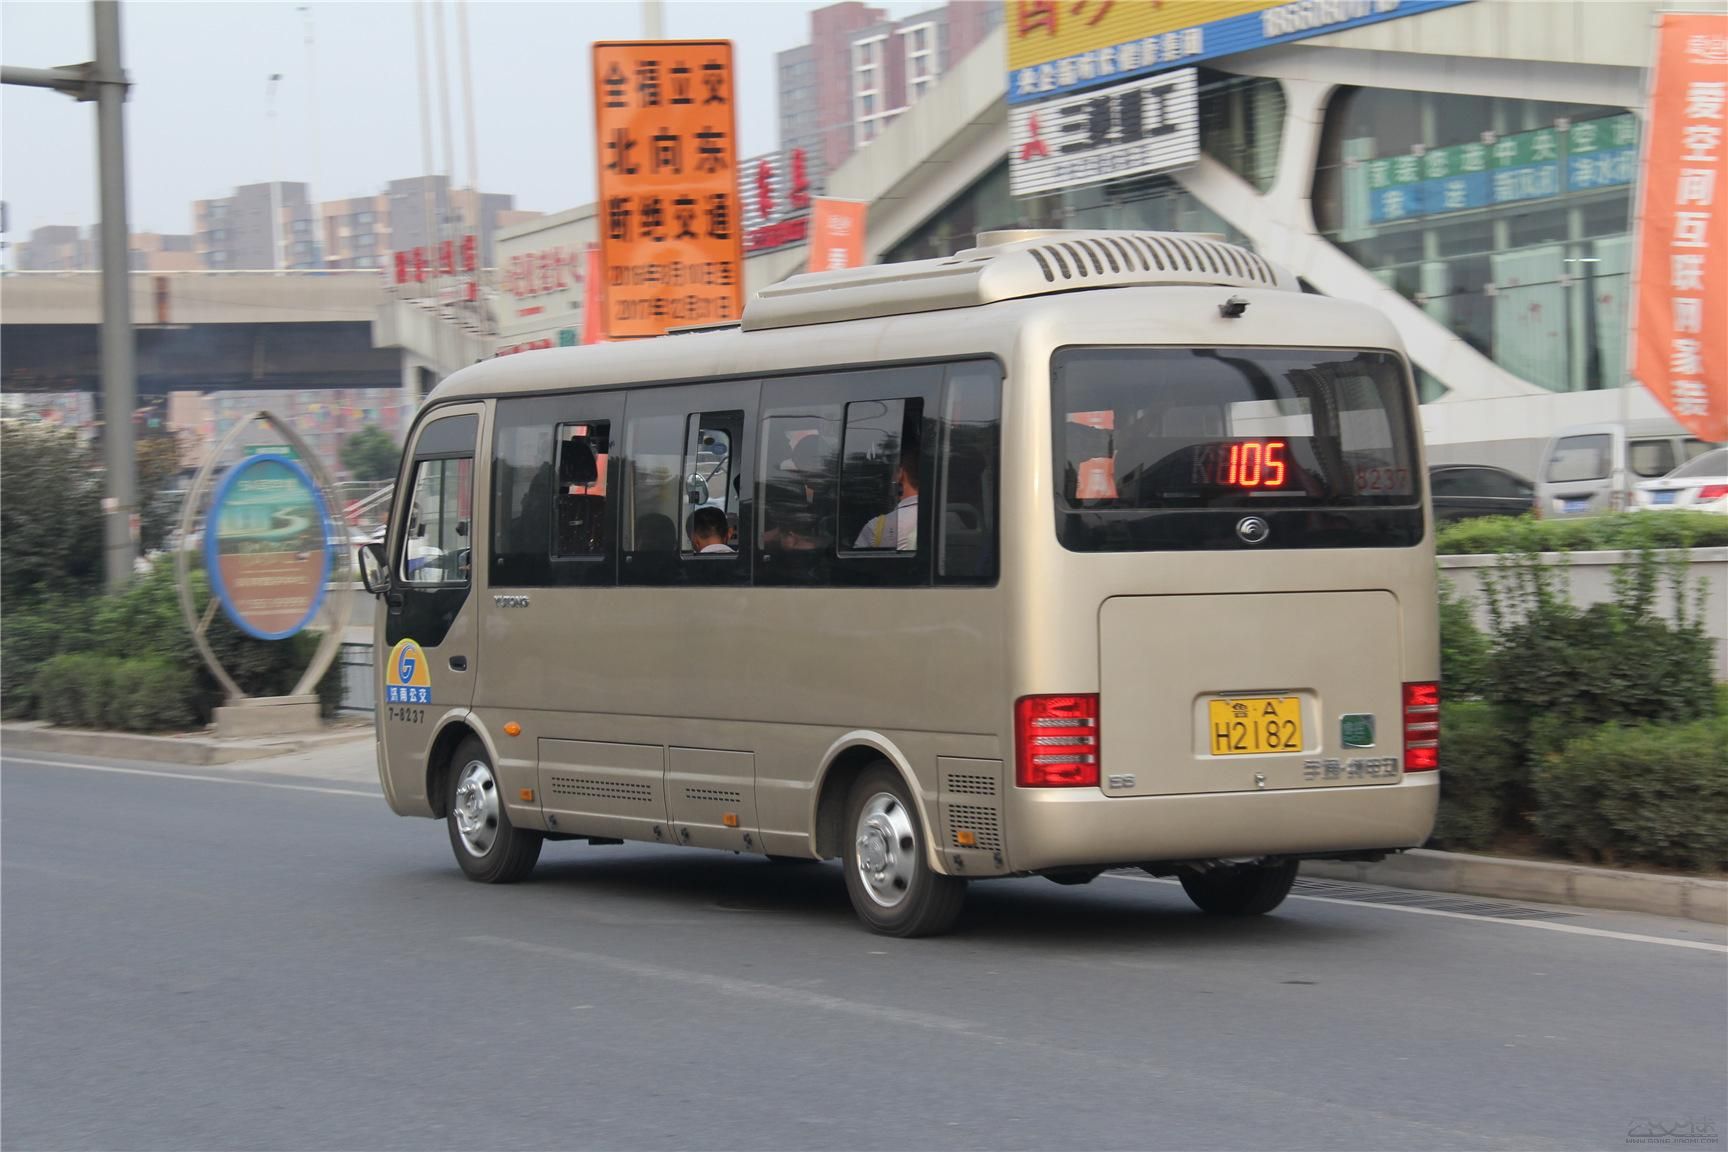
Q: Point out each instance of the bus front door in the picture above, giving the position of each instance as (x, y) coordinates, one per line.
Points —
(427, 631)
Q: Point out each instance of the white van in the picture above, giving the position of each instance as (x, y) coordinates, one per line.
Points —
(1591, 468)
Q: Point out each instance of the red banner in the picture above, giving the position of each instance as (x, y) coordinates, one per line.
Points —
(1679, 352)
(837, 235)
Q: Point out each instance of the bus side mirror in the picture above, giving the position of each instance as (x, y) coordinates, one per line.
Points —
(374, 573)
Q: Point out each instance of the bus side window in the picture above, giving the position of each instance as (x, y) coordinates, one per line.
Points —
(711, 481)
(969, 475)
(880, 468)
(800, 458)
(436, 549)
(579, 507)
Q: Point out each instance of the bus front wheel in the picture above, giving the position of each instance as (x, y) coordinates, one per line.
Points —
(489, 848)
(888, 875)
(1241, 890)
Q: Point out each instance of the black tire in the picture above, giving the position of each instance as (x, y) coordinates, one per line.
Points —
(508, 853)
(906, 897)
(1243, 890)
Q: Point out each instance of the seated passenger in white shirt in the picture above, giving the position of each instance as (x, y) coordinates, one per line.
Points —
(897, 530)
(708, 530)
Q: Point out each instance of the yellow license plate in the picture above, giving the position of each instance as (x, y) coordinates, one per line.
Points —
(1255, 725)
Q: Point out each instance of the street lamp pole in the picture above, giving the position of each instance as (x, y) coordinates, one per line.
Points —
(275, 173)
(104, 81)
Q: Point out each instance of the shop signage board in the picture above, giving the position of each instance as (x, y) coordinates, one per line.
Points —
(1532, 165)
(414, 269)
(777, 190)
(1679, 347)
(671, 225)
(542, 281)
(269, 551)
(1056, 47)
(1132, 129)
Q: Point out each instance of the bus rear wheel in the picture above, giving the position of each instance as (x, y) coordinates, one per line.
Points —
(888, 875)
(1240, 890)
(488, 847)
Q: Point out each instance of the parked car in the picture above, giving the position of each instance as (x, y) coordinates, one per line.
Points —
(1465, 491)
(1594, 467)
(1700, 485)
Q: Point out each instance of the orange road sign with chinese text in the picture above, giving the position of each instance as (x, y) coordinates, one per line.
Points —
(671, 239)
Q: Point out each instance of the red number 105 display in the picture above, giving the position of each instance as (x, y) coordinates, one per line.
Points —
(1256, 464)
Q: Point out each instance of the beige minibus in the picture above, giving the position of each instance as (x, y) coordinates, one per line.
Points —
(1069, 552)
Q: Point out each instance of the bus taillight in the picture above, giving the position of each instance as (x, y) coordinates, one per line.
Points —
(1421, 726)
(1056, 741)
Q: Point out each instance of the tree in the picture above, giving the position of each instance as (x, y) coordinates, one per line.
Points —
(51, 514)
(370, 454)
(158, 503)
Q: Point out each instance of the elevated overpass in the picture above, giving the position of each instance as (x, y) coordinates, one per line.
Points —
(221, 331)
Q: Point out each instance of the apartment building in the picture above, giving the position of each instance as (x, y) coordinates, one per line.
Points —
(235, 232)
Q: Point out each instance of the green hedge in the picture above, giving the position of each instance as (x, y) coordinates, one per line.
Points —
(1591, 727)
(84, 690)
(1621, 531)
(1481, 776)
(1645, 794)
(143, 626)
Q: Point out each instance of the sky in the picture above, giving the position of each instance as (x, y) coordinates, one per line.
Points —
(198, 123)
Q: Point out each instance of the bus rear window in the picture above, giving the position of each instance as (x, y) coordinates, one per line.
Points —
(1151, 440)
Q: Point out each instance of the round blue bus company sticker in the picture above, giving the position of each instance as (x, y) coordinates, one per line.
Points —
(407, 678)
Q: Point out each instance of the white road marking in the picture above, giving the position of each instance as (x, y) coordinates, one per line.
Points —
(732, 986)
(191, 776)
(1573, 929)
(834, 1003)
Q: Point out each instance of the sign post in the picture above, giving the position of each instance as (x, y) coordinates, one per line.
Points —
(270, 551)
(671, 229)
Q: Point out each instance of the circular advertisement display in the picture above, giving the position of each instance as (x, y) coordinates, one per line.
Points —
(267, 546)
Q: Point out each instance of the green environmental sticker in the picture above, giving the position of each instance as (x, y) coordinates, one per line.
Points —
(1357, 729)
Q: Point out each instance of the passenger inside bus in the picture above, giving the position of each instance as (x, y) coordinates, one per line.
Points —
(897, 529)
(798, 495)
(709, 531)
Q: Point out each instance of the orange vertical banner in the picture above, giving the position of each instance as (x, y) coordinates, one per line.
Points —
(593, 299)
(671, 225)
(1680, 337)
(836, 234)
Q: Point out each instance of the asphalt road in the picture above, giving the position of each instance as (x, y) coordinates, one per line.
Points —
(281, 963)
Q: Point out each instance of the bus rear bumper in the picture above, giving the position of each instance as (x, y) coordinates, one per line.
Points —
(1053, 828)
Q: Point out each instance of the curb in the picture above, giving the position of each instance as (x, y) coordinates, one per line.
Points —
(187, 751)
(1683, 897)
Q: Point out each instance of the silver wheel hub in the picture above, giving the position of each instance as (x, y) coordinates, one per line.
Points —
(886, 849)
(475, 809)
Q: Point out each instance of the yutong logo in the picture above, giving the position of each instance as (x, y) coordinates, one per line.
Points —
(1253, 530)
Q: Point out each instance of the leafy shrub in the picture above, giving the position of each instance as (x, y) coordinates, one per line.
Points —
(1480, 775)
(1652, 793)
(1464, 650)
(51, 519)
(86, 690)
(151, 696)
(144, 624)
(31, 636)
(1557, 670)
(74, 690)
(1621, 531)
